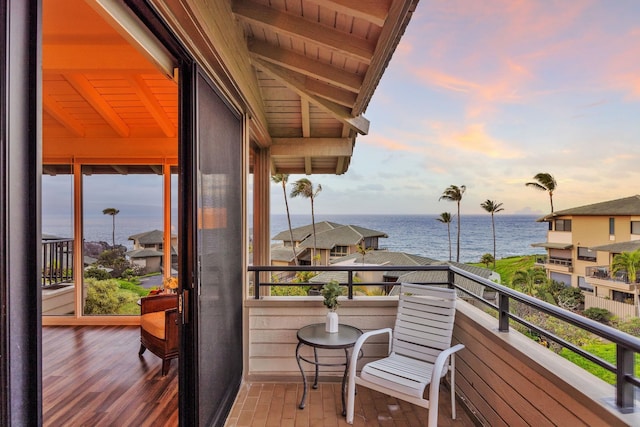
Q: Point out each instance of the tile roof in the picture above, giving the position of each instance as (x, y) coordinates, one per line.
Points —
(625, 206)
(300, 233)
(618, 247)
(149, 237)
(386, 258)
(284, 253)
(345, 235)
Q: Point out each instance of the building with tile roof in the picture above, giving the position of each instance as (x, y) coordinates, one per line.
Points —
(332, 241)
(582, 243)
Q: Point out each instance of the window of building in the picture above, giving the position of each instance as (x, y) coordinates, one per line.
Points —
(612, 226)
(586, 254)
(635, 227)
(563, 225)
(340, 251)
(582, 284)
(561, 278)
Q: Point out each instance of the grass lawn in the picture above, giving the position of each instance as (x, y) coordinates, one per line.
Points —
(604, 351)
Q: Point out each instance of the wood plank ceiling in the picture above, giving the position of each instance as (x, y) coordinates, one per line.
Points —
(315, 65)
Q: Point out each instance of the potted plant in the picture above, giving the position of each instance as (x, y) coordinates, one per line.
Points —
(331, 291)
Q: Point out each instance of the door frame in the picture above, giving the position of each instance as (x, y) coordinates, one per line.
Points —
(20, 168)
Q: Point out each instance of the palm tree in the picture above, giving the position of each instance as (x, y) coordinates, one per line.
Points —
(487, 259)
(545, 182)
(363, 250)
(453, 193)
(628, 262)
(492, 207)
(529, 279)
(283, 178)
(113, 212)
(446, 218)
(304, 188)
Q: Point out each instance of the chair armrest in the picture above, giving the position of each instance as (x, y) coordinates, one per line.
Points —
(158, 303)
(171, 327)
(438, 366)
(358, 346)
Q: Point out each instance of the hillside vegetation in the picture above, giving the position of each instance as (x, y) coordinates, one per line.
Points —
(506, 267)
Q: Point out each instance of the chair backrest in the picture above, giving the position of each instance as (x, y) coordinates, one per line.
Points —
(424, 323)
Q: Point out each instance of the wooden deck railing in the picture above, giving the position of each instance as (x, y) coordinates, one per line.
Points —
(57, 262)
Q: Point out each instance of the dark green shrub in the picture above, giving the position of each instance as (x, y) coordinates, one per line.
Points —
(96, 273)
(598, 314)
(114, 259)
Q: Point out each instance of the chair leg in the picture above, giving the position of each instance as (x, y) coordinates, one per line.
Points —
(351, 397)
(453, 386)
(166, 364)
(142, 349)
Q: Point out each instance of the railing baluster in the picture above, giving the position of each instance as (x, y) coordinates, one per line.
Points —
(625, 391)
(503, 312)
(256, 285)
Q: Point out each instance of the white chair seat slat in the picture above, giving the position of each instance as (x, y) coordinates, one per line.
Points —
(402, 374)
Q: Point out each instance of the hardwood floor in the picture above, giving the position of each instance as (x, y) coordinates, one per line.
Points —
(92, 376)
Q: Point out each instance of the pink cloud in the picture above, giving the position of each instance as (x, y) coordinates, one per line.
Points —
(389, 144)
(472, 138)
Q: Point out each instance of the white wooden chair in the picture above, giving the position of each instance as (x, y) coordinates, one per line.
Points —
(420, 352)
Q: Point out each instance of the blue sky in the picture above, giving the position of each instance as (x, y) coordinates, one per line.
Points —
(487, 94)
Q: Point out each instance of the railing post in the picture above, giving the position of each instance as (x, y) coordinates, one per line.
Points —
(625, 391)
(350, 284)
(503, 312)
(451, 277)
(256, 284)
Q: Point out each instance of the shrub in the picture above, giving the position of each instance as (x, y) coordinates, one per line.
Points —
(115, 259)
(97, 273)
(104, 297)
(631, 326)
(570, 298)
(285, 291)
(598, 314)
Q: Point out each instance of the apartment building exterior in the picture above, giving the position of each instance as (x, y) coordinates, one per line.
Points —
(582, 242)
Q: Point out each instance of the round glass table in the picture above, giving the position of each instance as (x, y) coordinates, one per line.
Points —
(316, 337)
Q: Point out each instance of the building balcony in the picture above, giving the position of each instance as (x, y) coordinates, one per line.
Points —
(603, 276)
(555, 264)
(502, 376)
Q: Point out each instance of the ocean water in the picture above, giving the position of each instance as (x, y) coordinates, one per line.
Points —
(424, 235)
(414, 234)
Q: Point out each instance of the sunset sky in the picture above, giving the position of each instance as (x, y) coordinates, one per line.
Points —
(487, 94)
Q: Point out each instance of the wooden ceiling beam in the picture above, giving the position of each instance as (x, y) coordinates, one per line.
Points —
(152, 105)
(299, 28)
(311, 147)
(306, 66)
(91, 95)
(286, 77)
(308, 170)
(55, 110)
(374, 11)
(306, 118)
(329, 92)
